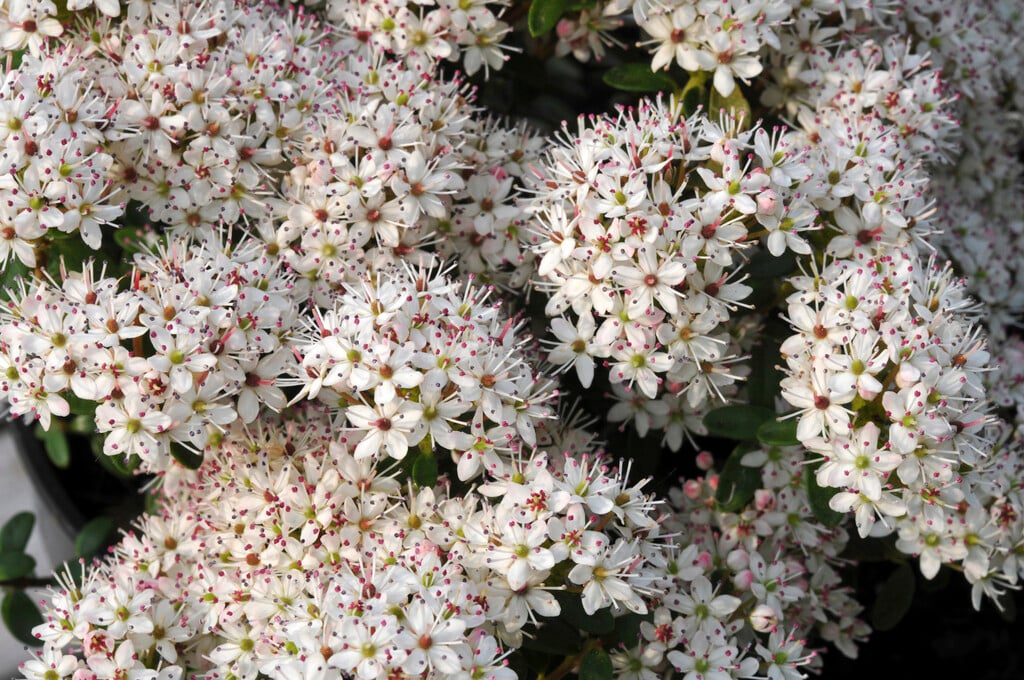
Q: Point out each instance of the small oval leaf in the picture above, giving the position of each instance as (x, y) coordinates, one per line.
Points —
(56, 444)
(15, 565)
(894, 598)
(693, 93)
(188, 458)
(21, 615)
(638, 78)
(93, 537)
(740, 421)
(544, 16)
(737, 482)
(736, 104)
(600, 622)
(16, 531)
(818, 497)
(778, 433)
(424, 470)
(596, 665)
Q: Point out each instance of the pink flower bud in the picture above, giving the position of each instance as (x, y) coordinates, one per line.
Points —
(704, 560)
(738, 559)
(692, 489)
(743, 580)
(565, 28)
(767, 202)
(763, 619)
(705, 460)
(764, 500)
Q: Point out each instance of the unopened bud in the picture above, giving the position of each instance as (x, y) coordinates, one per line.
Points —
(763, 619)
(767, 202)
(705, 460)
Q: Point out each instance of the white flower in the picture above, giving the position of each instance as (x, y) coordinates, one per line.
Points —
(605, 577)
(390, 428)
(857, 464)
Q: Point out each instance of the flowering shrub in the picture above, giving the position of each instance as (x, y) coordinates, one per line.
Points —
(363, 335)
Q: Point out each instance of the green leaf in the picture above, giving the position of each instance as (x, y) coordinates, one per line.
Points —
(600, 622)
(693, 93)
(764, 265)
(16, 531)
(544, 15)
(13, 272)
(424, 470)
(638, 77)
(14, 565)
(778, 433)
(764, 381)
(135, 239)
(596, 665)
(627, 628)
(21, 615)
(94, 537)
(818, 497)
(187, 457)
(894, 598)
(152, 503)
(79, 406)
(735, 103)
(556, 638)
(56, 444)
(740, 421)
(737, 482)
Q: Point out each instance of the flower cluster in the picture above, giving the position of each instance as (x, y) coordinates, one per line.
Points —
(208, 109)
(54, 168)
(325, 564)
(212, 319)
(419, 34)
(763, 564)
(364, 464)
(726, 40)
(401, 169)
(410, 358)
(642, 222)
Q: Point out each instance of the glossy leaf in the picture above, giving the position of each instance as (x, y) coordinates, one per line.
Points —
(424, 470)
(894, 598)
(558, 638)
(134, 239)
(735, 103)
(818, 497)
(600, 622)
(778, 433)
(737, 482)
(11, 273)
(79, 406)
(55, 442)
(638, 77)
(15, 565)
(16, 531)
(764, 265)
(21, 615)
(627, 628)
(596, 665)
(93, 537)
(740, 421)
(693, 93)
(187, 457)
(544, 16)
